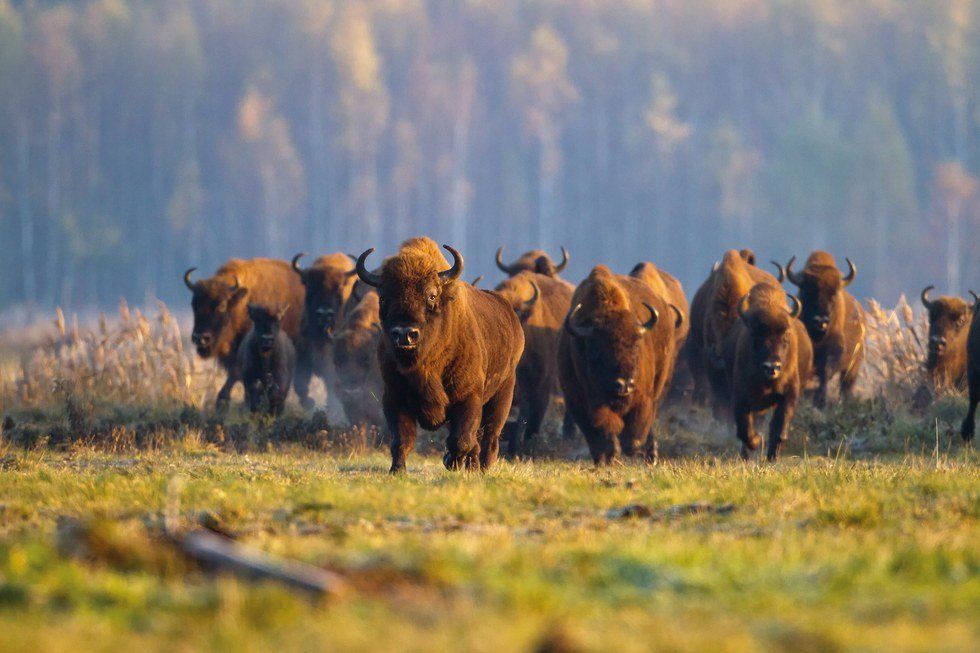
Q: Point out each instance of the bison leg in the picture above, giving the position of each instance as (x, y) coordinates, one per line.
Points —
(848, 377)
(778, 427)
(492, 423)
(403, 429)
(820, 396)
(568, 426)
(301, 382)
(462, 449)
(969, 423)
(745, 430)
(224, 394)
(536, 407)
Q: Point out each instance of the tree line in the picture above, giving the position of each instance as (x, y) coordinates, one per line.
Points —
(138, 138)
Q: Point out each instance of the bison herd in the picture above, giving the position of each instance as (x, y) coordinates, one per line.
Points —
(410, 343)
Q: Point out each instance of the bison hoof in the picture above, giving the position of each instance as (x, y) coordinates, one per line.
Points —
(397, 468)
(967, 431)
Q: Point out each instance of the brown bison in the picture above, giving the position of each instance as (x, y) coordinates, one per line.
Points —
(537, 260)
(670, 290)
(772, 362)
(267, 360)
(220, 306)
(833, 318)
(615, 357)
(714, 312)
(949, 325)
(972, 372)
(355, 357)
(448, 353)
(541, 304)
(329, 283)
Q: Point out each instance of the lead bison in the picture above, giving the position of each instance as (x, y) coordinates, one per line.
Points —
(949, 325)
(329, 283)
(541, 304)
(972, 373)
(220, 305)
(710, 346)
(616, 354)
(772, 362)
(449, 353)
(833, 318)
(536, 260)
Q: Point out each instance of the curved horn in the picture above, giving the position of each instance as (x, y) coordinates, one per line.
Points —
(187, 278)
(976, 299)
(476, 282)
(651, 321)
(851, 274)
(575, 329)
(529, 304)
(371, 279)
(352, 257)
(457, 269)
(714, 268)
(507, 269)
(925, 297)
(296, 261)
(782, 271)
(743, 307)
(796, 278)
(797, 306)
(679, 322)
(564, 260)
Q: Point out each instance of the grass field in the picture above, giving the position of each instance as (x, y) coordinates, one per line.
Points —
(865, 536)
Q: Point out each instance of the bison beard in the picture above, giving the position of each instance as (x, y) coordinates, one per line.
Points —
(448, 353)
(772, 361)
(220, 310)
(834, 320)
(615, 356)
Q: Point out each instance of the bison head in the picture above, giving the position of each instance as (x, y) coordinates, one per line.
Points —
(522, 293)
(327, 288)
(266, 325)
(948, 316)
(534, 261)
(609, 345)
(769, 326)
(218, 309)
(820, 284)
(413, 293)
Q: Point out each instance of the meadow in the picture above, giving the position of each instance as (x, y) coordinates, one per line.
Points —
(864, 536)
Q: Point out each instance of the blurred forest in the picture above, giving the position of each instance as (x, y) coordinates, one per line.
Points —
(138, 138)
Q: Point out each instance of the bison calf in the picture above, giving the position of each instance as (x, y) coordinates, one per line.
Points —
(267, 360)
(448, 353)
(772, 361)
(355, 358)
(616, 353)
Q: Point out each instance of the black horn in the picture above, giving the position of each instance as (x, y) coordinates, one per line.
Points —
(976, 299)
(367, 277)
(679, 322)
(507, 269)
(925, 297)
(576, 330)
(187, 278)
(852, 272)
(796, 278)
(456, 270)
(782, 271)
(296, 262)
(797, 306)
(529, 304)
(564, 260)
(651, 321)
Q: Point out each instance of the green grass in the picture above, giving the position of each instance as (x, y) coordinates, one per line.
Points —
(819, 554)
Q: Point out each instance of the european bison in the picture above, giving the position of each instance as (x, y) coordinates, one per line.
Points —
(267, 360)
(833, 318)
(448, 353)
(220, 309)
(329, 283)
(949, 324)
(714, 312)
(615, 357)
(536, 260)
(355, 357)
(670, 290)
(541, 304)
(973, 373)
(772, 362)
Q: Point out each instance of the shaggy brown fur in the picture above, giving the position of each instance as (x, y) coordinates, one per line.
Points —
(536, 260)
(449, 353)
(537, 372)
(835, 321)
(772, 361)
(949, 325)
(220, 309)
(613, 365)
(328, 282)
(714, 311)
(973, 375)
(267, 360)
(355, 356)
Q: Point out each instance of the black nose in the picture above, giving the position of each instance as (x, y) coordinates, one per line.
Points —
(201, 339)
(405, 336)
(623, 387)
(772, 369)
(938, 343)
(821, 323)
